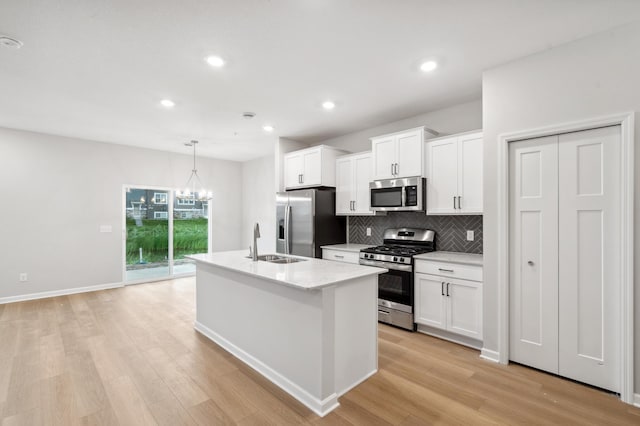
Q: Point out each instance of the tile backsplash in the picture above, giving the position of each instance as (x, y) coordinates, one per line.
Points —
(451, 231)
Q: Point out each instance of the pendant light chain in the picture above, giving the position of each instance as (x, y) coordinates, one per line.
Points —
(192, 193)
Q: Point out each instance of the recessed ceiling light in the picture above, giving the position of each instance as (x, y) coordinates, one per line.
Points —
(215, 61)
(428, 66)
(10, 42)
(328, 105)
(268, 128)
(167, 103)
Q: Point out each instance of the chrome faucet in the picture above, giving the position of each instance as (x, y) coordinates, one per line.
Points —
(256, 235)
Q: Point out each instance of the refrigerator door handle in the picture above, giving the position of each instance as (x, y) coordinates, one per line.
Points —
(287, 229)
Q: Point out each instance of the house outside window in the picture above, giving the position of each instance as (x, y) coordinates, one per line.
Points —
(160, 215)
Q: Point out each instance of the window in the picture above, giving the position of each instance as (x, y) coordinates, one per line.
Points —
(160, 215)
(185, 202)
(160, 198)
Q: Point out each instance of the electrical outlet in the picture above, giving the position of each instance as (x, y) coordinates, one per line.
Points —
(470, 236)
(368, 232)
(23, 277)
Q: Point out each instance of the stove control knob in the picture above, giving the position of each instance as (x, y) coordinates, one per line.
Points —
(402, 259)
(366, 256)
(395, 259)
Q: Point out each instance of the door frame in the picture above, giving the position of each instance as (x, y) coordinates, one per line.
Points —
(626, 122)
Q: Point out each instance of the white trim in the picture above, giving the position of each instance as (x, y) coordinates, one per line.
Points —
(55, 293)
(449, 336)
(636, 399)
(626, 121)
(490, 355)
(353, 385)
(320, 407)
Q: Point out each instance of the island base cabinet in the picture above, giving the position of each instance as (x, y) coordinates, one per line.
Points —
(449, 304)
(314, 344)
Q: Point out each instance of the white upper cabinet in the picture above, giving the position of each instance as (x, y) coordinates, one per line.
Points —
(454, 175)
(310, 167)
(353, 174)
(399, 154)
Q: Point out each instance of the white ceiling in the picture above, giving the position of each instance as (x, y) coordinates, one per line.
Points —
(96, 69)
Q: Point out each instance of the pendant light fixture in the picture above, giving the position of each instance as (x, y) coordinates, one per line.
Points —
(194, 189)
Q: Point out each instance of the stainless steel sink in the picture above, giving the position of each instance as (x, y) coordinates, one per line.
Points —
(275, 258)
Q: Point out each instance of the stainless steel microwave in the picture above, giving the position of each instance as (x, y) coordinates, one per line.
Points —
(406, 194)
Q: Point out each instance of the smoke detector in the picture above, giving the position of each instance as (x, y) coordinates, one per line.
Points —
(248, 115)
(10, 42)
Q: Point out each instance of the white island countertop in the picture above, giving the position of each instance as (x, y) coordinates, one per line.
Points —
(351, 248)
(310, 274)
(452, 257)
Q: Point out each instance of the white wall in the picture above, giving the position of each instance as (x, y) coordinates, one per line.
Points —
(592, 77)
(259, 203)
(455, 119)
(57, 191)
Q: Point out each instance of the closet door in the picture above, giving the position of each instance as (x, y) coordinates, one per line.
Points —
(590, 262)
(533, 231)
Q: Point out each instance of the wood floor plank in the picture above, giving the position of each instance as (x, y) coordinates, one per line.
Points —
(130, 356)
(127, 403)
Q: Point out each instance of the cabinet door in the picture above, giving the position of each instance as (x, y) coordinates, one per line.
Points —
(442, 180)
(292, 170)
(410, 154)
(430, 304)
(384, 157)
(344, 186)
(470, 173)
(312, 168)
(464, 310)
(362, 177)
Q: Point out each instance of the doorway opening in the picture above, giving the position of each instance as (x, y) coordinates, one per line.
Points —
(159, 231)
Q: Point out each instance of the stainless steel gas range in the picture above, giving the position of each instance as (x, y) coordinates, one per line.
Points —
(395, 288)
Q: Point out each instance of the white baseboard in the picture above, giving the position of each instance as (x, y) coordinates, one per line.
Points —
(358, 382)
(451, 337)
(636, 399)
(320, 407)
(54, 293)
(490, 355)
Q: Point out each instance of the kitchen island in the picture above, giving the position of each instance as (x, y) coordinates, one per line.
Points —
(310, 327)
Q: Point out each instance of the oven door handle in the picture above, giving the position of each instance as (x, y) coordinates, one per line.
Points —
(387, 265)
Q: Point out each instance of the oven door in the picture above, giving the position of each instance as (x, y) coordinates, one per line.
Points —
(396, 286)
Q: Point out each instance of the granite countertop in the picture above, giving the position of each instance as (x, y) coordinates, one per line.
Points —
(452, 257)
(354, 248)
(311, 274)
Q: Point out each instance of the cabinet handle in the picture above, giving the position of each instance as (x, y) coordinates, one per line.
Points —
(454, 202)
(448, 289)
(337, 256)
(442, 288)
(397, 169)
(383, 312)
(445, 270)
(459, 206)
(302, 177)
(354, 205)
(299, 178)
(392, 173)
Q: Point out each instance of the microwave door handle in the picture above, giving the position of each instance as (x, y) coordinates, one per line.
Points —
(287, 228)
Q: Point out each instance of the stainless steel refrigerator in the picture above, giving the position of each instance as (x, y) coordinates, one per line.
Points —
(306, 220)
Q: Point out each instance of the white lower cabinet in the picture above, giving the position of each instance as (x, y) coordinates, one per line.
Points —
(448, 303)
(341, 256)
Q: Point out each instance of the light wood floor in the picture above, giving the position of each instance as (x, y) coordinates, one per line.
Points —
(130, 356)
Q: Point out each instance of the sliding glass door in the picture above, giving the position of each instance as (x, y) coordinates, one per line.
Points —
(159, 232)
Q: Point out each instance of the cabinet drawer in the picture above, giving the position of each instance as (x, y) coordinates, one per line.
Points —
(453, 270)
(341, 256)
